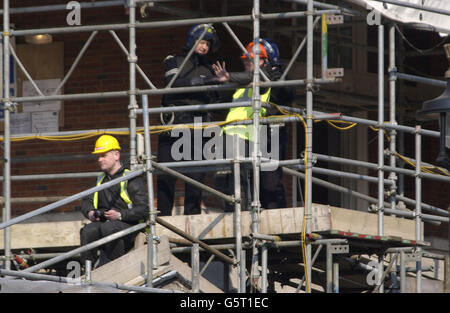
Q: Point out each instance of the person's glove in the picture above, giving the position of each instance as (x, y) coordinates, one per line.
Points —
(274, 73)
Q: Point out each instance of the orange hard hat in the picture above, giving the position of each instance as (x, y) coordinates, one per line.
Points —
(249, 48)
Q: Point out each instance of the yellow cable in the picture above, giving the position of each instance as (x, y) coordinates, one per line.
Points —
(331, 122)
(303, 232)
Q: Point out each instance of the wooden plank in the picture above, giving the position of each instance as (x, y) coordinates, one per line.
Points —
(131, 265)
(367, 223)
(278, 221)
(44, 235)
(54, 233)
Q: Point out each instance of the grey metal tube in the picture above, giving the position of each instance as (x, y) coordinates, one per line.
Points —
(24, 70)
(309, 135)
(418, 187)
(59, 279)
(334, 159)
(52, 176)
(237, 212)
(152, 251)
(63, 7)
(197, 107)
(380, 131)
(32, 199)
(242, 280)
(276, 245)
(170, 23)
(406, 129)
(264, 256)
(325, 171)
(161, 91)
(424, 205)
(392, 133)
(132, 59)
(67, 200)
(402, 272)
(7, 135)
(84, 248)
(329, 269)
(326, 184)
(335, 277)
(88, 271)
(256, 157)
(412, 215)
(424, 80)
(35, 256)
(195, 267)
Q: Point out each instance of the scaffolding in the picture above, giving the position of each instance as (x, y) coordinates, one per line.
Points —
(302, 168)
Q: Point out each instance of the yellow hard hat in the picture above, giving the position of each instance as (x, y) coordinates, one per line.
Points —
(105, 143)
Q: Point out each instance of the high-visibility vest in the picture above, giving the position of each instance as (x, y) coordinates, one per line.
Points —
(238, 113)
(123, 190)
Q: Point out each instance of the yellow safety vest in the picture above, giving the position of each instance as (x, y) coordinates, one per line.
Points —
(238, 113)
(123, 190)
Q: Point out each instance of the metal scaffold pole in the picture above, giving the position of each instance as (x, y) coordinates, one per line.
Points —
(418, 211)
(380, 144)
(132, 59)
(237, 215)
(152, 257)
(309, 140)
(256, 156)
(7, 134)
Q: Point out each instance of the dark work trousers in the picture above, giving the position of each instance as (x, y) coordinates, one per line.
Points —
(272, 192)
(166, 183)
(111, 250)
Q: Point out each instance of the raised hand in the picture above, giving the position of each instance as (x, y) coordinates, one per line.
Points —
(221, 72)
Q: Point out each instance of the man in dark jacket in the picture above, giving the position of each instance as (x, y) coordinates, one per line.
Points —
(196, 71)
(115, 208)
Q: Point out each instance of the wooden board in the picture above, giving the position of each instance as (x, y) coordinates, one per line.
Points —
(276, 222)
(290, 221)
(367, 223)
(131, 265)
(44, 235)
(279, 221)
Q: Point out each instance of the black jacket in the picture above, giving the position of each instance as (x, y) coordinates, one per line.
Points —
(110, 199)
(196, 72)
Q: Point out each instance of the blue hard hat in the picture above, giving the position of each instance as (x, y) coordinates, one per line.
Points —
(197, 30)
(272, 50)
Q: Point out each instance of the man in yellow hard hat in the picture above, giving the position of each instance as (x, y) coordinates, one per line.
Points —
(115, 208)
